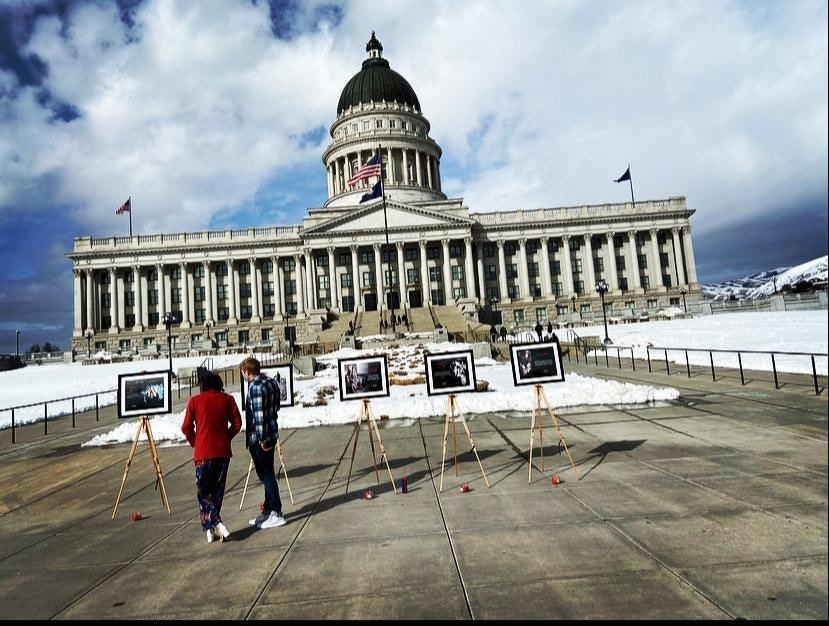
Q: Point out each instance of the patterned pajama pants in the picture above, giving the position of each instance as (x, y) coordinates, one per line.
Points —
(211, 475)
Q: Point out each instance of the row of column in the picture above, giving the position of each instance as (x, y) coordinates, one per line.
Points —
(424, 171)
(307, 295)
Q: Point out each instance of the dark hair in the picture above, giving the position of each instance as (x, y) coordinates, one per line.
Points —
(212, 382)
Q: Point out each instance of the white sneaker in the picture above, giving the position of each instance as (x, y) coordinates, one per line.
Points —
(221, 531)
(257, 521)
(210, 535)
(273, 521)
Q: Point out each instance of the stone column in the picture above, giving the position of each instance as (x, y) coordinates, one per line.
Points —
(356, 290)
(690, 264)
(680, 273)
(482, 299)
(233, 288)
(657, 274)
(424, 273)
(389, 166)
(417, 169)
(139, 298)
(90, 301)
(611, 263)
(378, 277)
(401, 275)
(502, 272)
(310, 279)
(185, 298)
(329, 171)
(208, 292)
(337, 188)
(145, 301)
(300, 296)
(114, 309)
(333, 287)
(162, 305)
(78, 302)
(470, 268)
(447, 274)
(277, 292)
(523, 269)
(633, 273)
(591, 272)
(405, 166)
(255, 300)
(429, 171)
(566, 266)
(546, 280)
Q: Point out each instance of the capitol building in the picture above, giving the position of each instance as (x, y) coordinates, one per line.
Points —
(411, 251)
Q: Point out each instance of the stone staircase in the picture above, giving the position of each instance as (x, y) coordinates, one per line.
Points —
(451, 318)
(334, 333)
(420, 320)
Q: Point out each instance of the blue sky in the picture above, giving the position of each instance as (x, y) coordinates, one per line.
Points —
(215, 114)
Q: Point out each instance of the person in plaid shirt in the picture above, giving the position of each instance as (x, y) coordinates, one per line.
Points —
(261, 434)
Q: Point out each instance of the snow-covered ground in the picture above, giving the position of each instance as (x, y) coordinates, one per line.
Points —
(800, 331)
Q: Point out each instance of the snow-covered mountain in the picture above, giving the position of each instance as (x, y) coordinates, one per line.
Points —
(767, 283)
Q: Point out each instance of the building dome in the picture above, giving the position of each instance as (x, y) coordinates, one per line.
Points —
(376, 82)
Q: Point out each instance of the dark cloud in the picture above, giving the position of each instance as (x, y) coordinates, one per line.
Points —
(787, 237)
(291, 18)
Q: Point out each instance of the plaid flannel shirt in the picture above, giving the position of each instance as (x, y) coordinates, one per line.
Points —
(262, 411)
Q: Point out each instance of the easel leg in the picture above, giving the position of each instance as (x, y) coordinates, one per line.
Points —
(247, 480)
(539, 391)
(284, 469)
(127, 468)
(384, 456)
(454, 437)
(157, 463)
(560, 435)
(369, 422)
(532, 445)
(354, 448)
(443, 455)
(474, 446)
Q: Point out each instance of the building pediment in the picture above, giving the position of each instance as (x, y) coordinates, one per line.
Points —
(372, 218)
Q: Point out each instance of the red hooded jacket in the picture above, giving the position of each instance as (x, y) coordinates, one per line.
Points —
(211, 420)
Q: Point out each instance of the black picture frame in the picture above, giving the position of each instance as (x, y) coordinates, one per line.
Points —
(363, 377)
(144, 393)
(284, 377)
(536, 363)
(450, 372)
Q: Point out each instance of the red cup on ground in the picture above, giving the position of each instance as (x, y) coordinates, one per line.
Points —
(368, 495)
(465, 488)
(555, 480)
(135, 517)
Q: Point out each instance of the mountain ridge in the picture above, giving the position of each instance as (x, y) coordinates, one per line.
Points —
(768, 282)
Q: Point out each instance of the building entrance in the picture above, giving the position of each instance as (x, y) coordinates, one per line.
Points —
(415, 299)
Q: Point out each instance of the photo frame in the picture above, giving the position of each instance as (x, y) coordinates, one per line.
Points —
(363, 377)
(284, 377)
(535, 363)
(145, 393)
(450, 372)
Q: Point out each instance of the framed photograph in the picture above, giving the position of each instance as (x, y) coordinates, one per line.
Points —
(284, 377)
(450, 372)
(534, 363)
(147, 393)
(363, 377)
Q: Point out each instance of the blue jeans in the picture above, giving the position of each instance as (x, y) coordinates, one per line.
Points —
(263, 463)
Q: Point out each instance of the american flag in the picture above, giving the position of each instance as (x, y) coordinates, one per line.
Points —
(369, 168)
(124, 208)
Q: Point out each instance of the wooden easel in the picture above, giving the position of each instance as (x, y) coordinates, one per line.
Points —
(451, 409)
(281, 468)
(144, 427)
(539, 397)
(367, 414)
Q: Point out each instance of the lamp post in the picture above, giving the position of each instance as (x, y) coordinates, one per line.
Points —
(494, 303)
(601, 287)
(89, 335)
(169, 320)
(573, 300)
(682, 292)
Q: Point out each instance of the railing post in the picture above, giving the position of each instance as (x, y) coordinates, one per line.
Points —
(711, 357)
(667, 366)
(774, 369)
(648, 350)
(73, 412)
(687, 364)
(633, 361)
(606, 358)
(814, 377)
(97, 416)
(45, 418)
(13, 435)
(740, 363)
(619, 357)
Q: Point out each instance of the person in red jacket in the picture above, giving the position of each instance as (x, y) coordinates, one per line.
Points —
(211, 420)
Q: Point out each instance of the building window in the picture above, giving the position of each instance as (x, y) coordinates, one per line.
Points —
(221, 269)
(555, 268)
(221, 292)
(663, 259)
(642, 260)
(673, 301)
(244, 290)
(512, 270)
(618, 241)
(577, 265)
(106, 300)
(553, 245)
(244, 268)
(623, 283)
(366, 257)
(455, 250)
(200, 316)
(129, 298)
(266, 334)
(438, 298)
(368, 279)
(432, 252)
(378, 123)
(152, 296)
(652, 303)
(489, 272)
(105, 279)
(267, 288)
(513, 291)
(457, 272)
(661, 238)
(562, 309)
(666, 280)
(290, 287)
(345, 258)
(322, 260)
(346, 280)
(324, 282)
(435, 275)
(532, 247)
(224, 313)
(584, 309)
(518, 316)
(532, 270)
(392, 124)
(152, 275)
(198, 271)
(246, 311)
(646, 282)
(492, 292)
(124, 344)
(575, 243)
(598, 264)
(389, 256)
(509, 248)
(153, 319)
(458, 292)
(129, 277)
(596, 242)
(620, 263)
(578, 286)
(391, 277)
(129, 320)
(535, 290)
(267, 267)
(175, 273)
(488, 249)
(557, 290)
(244, 336)
(269, 310)
(541, 314)
(412, 254)
(289, 265)
(640, 239)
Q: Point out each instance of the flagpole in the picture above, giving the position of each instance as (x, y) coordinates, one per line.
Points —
(386, 224)
(130, 212)
(630, 180)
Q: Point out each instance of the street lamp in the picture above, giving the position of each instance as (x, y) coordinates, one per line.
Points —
(682, 292)
(89, 335)
(494, 303)
(208, 324)
(601, 287)
(573, 300)
(169, 320)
